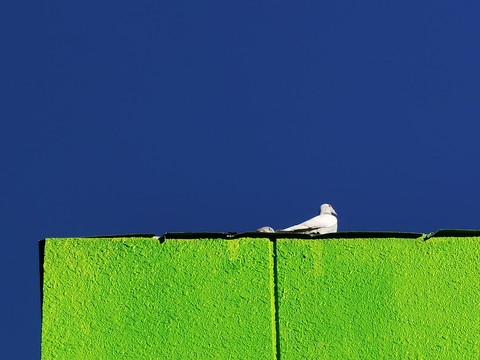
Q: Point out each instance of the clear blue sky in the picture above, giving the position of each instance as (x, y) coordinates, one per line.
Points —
(167, 116)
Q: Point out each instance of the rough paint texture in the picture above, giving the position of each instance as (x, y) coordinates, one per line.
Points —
(379, 298)
(139, 299)
(135, 298)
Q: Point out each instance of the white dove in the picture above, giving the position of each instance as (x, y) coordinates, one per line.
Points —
(323, 223)
(266, 229)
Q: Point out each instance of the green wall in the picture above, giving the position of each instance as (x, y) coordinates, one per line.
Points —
(256, 298)
(379, 298)
(139, 299)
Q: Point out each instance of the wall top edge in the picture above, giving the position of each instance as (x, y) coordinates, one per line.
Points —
(286, 235)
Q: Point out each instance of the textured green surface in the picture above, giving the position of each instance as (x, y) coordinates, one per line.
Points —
(141, 299)
(366, 298)
(379, 298)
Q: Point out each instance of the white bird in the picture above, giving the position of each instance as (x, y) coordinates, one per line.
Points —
(323, 223)
(266, 229)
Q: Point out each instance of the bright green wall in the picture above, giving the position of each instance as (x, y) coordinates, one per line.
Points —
(138, 298)
(379, 298)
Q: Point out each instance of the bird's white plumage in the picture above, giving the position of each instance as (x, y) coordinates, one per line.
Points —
(324, 223)
(266, 229)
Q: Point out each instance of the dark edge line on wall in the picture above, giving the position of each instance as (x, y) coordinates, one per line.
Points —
(292, 235)
(275, 295)
(41, 257)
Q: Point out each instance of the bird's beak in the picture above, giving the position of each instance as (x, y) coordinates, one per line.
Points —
(333, 212)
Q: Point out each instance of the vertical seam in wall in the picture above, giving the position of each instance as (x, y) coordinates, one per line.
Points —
(275, 297)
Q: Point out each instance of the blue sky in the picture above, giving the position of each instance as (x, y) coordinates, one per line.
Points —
(171, 116)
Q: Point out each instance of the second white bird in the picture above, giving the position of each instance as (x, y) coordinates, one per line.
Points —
(324, 223)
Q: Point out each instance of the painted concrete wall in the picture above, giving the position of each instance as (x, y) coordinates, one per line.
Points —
(379, 298)
(255, 298)
(139, 299)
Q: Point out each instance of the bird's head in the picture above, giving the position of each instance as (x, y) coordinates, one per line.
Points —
(266, 229)
(327, 209)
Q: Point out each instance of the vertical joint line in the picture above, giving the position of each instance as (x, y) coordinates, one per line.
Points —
(275, 295)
